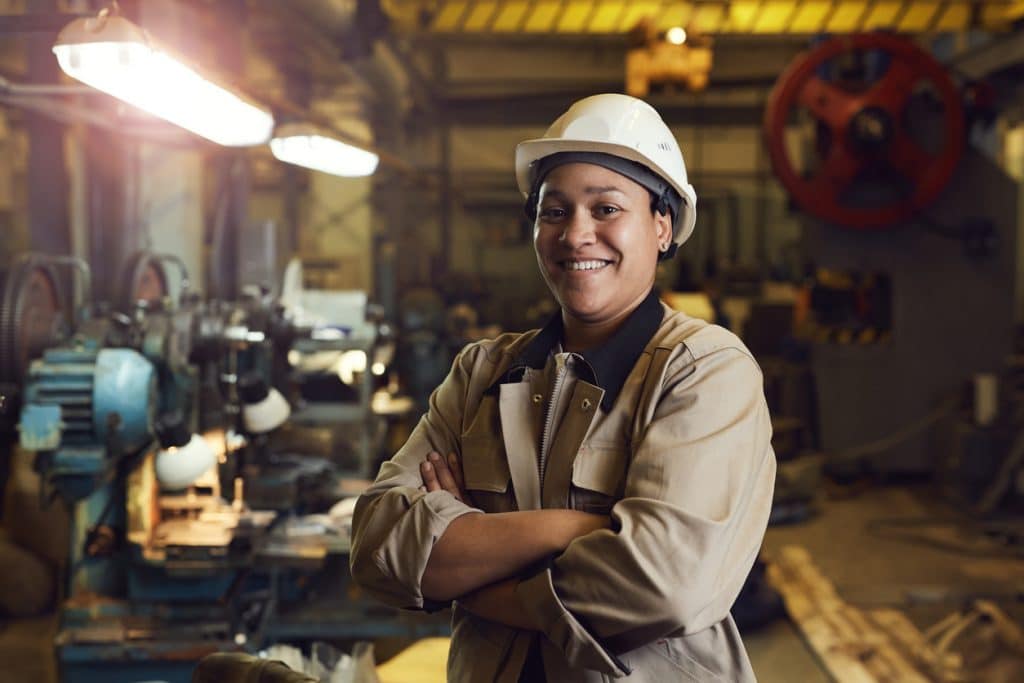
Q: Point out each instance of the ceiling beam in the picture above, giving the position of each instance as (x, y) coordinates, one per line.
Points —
(542, 109)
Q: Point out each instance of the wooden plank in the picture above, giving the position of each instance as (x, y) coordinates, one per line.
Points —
(810, 606)
(852, 646)
(912, 641)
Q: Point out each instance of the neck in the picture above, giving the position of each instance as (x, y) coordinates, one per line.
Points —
(582, 335)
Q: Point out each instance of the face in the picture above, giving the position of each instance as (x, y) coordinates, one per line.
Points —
(597, 242)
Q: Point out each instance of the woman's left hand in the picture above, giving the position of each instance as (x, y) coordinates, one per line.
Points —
(440, 474)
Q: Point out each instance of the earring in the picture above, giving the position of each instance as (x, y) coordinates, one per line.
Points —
(663, 247)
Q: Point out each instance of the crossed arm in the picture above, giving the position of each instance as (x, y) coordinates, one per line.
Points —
(479, 556)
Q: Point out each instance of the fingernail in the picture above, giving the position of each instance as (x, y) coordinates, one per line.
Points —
(426, 466)
(435, 457)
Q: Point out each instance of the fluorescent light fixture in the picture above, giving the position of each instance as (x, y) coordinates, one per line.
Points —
(114, 55)
(311, 147)
(676, 35)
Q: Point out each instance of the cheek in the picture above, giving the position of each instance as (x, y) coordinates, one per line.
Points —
(543, 242)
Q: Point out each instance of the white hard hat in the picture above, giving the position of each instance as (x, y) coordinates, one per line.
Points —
(621, 126)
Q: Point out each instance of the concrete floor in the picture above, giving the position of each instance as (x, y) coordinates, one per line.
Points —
(867, 571)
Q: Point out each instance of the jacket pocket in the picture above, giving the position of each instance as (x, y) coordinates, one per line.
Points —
(599, 477)
(484, 465)
(487, 475)
(675, 650)
(667, 660)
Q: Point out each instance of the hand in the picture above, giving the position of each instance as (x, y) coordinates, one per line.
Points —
(440, 474)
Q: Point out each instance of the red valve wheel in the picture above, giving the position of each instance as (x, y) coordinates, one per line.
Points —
(863, 128)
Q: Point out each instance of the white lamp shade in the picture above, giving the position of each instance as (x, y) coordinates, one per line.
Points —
(266, 415)
(178, 468)
(115, 56)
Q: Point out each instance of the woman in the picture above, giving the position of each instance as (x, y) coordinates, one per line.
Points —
(620, 456)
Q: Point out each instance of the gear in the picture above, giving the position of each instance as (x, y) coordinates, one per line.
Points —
(32, 316)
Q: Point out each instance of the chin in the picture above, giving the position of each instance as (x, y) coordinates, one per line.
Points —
(584, 311)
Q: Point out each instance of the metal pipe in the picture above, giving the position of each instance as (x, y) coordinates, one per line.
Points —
(45, 89)
(39, 22)
(67, 113)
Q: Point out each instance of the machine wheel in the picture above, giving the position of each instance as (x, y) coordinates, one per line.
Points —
(32, 316)
(859, 91)
(147, 281)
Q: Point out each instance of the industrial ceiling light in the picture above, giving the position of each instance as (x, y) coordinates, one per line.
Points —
(183, 456)
(676, 35)
(311, 147)
(112, 54)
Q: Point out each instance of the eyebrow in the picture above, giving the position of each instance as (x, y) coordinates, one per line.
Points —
(587, 190)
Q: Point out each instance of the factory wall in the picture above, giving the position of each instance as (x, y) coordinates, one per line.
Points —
(171, 207)
(743, 217)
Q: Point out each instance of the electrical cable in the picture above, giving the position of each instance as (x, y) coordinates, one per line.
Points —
(896, 438)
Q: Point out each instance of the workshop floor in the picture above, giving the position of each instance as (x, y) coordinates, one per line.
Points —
(867, 571)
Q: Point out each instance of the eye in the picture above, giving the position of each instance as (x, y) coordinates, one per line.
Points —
(552, 213)
(606, 210)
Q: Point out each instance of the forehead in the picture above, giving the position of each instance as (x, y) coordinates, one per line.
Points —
(590, 179)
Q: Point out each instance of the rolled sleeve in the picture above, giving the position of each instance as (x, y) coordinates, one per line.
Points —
(688, 529)
(396, 524)
(392, 568)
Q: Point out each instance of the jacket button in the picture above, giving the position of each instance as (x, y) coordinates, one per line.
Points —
(537, 398)
(586, 404)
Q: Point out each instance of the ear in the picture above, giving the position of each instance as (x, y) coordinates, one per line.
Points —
(663, 226)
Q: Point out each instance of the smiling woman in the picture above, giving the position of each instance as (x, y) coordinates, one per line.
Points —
(597, 244)
(592, 494)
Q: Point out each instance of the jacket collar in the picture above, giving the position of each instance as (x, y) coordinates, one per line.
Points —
(609, 364)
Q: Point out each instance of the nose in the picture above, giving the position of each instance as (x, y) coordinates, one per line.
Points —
(579, 231)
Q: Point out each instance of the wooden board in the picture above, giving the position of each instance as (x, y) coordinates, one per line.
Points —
(852, 646)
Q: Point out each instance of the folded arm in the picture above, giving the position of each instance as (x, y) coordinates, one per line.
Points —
(479, 549)
(412, 545)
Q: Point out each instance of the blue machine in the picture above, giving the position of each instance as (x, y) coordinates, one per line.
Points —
(86, 411)
(157, 578)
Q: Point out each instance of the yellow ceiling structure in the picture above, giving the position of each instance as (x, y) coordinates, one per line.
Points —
(562, 17)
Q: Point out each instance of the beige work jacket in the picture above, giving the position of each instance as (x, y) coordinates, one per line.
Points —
(682, 462)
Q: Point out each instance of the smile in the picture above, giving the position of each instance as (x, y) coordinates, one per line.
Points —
(595, 264)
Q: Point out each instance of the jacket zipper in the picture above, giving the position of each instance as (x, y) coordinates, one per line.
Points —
(549, 420)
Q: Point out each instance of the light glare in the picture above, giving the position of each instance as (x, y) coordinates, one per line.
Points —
(676, 35)
(325, 154)
(155, 82)
(350, 364)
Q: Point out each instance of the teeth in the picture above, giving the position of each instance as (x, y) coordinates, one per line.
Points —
(584, 265)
